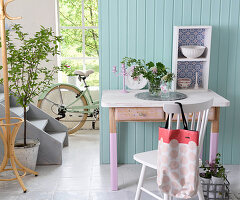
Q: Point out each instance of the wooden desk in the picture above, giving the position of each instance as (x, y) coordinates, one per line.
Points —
(125, 107)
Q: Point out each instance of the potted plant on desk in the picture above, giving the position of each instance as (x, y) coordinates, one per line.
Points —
(28, 77)
(151, 71)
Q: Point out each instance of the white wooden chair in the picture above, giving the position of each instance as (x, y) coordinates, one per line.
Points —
(194, 113)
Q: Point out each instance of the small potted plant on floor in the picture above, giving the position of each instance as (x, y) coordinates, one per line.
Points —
(69, 71)
(28, 77)
(214, 175)
(151, 71)
(206, 176)
(218, 177)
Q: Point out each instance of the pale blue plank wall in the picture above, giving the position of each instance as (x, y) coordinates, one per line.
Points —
(143, 29)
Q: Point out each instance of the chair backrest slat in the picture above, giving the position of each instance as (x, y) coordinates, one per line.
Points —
(202, 129)
(193, 121)
(187, 117)
(170, 122)
(199, 121)
(178, 121)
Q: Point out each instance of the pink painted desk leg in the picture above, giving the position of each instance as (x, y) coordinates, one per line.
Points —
(213, 146)
(113, 150)
(214, 135)
(113, 161)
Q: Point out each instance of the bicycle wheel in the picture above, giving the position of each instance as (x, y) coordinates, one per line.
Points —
(56, 101)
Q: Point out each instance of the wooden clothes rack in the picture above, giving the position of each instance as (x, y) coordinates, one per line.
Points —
(9, 125)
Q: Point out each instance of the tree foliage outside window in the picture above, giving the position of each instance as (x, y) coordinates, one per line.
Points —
(80, 47)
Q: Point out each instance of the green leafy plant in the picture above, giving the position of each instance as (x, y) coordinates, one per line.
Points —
(214, 169)
(27, 57)
(168, 78)
(132, 61)
(68, 70)
(154, 73)
(217, 168)
(207, 170)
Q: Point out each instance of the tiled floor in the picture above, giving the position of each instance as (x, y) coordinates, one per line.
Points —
(82, 178)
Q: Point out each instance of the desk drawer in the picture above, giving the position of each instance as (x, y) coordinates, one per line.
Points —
(139, 114)
(211, 115)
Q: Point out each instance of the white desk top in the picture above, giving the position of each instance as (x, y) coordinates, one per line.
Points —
(115, 98)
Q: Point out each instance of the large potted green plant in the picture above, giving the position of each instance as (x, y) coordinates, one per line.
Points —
(29, 76)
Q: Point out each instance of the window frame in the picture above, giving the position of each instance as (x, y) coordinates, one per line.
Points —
(83, 28)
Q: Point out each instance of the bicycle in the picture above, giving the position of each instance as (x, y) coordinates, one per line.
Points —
(70, 105)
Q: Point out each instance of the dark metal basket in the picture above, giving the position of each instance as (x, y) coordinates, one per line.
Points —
(216, 191)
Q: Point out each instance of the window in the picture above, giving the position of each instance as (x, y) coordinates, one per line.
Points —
(78, 25)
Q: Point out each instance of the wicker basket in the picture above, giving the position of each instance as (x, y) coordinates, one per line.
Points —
(216, 191)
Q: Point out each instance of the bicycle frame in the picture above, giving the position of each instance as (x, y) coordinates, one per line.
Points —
(76, 109)
(81, 109)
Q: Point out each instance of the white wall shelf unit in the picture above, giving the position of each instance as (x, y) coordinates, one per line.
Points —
(195, 71)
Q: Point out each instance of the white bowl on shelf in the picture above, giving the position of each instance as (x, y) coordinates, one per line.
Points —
(192, 51)
(184, 83)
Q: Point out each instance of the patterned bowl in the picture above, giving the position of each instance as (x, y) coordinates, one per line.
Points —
(192, 51)
(184, 82)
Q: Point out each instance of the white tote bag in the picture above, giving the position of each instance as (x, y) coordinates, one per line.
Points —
(178, 163)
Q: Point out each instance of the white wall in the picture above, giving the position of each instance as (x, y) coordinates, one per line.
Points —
(34, 13)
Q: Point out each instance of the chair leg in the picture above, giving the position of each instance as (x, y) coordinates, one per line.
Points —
(140, 183)
(200, 191)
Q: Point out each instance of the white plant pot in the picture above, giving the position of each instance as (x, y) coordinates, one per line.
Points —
(72, 80)
(219, 188)
(27, 156)
(205, 187)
